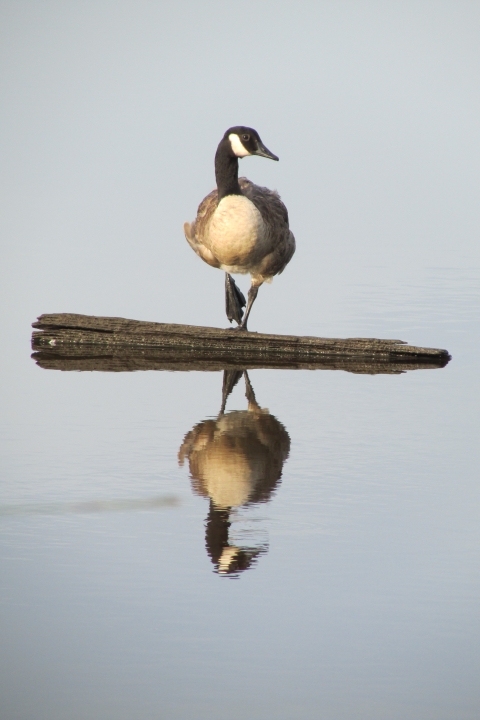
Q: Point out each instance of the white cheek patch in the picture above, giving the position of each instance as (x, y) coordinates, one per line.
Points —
(237, 146)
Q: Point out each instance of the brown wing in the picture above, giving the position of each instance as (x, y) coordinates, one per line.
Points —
(267, 201)
(275, 217)
(195, 232)
(276, 262)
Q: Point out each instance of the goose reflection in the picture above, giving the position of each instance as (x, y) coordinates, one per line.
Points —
(235, 460)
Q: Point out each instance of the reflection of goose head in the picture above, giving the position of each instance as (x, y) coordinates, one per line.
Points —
(235, 460)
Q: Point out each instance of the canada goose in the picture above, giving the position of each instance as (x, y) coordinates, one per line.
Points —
(236, 461)
(241, 227)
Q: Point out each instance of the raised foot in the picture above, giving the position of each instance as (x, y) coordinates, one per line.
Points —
(234, 300)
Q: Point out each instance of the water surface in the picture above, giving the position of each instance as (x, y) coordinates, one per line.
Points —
(309, 549)
(312, 554)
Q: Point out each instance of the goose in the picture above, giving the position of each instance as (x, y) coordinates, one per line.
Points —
(241, 227)
(236, 461)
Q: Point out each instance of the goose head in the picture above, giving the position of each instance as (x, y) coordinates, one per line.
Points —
(246, 141)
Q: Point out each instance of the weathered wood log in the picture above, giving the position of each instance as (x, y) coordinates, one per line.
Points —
(52, 360)
(69, 341)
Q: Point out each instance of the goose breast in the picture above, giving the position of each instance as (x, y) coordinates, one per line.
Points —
(236, 232)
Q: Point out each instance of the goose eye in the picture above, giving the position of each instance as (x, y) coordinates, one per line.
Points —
(246, 137)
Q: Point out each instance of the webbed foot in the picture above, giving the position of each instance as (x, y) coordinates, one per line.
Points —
(234, 300)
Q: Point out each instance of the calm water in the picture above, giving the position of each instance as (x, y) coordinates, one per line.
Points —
(312, 552)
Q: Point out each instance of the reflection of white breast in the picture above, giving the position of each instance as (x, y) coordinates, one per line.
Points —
(228, 476)
(236, 230)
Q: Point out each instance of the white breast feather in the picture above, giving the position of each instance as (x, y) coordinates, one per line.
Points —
(236, 232)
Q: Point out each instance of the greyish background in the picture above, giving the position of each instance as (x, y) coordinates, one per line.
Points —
(366, 605)
(112, 113)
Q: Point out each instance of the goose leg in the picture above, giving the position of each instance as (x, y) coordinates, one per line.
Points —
(252, 294)
(249, 394)
(230, 379)
(234, 300)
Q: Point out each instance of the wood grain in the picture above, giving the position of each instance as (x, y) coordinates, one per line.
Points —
(70, 341)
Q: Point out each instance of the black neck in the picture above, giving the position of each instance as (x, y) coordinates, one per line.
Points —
(226, 170)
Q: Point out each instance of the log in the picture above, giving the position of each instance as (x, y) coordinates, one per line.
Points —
(82, 342)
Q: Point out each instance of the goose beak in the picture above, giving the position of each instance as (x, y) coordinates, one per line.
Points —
(264, 152)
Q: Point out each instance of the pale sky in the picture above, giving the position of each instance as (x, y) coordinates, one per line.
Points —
(112, 111)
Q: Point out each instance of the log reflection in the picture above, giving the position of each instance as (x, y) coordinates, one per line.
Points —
(236, 461)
